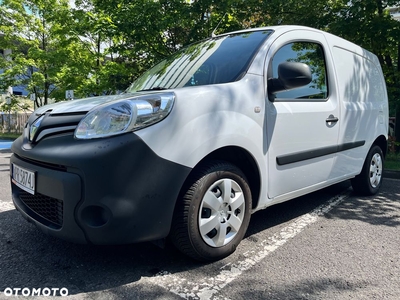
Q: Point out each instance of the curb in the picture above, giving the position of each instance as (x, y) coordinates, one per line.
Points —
(392, 174)
(5, 150)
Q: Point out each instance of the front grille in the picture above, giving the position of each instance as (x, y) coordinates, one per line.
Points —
(53, 124)
(42, 164)
(48, 208)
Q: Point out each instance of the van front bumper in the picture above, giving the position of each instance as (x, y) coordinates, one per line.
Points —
(101, 191)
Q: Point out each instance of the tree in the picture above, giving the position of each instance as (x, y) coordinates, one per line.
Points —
(364, 22)
(147, 31)
(45, 57)
(101, 45)
(109, 71)
(369, 24)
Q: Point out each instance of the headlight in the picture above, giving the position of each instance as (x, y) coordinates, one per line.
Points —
(124, 116)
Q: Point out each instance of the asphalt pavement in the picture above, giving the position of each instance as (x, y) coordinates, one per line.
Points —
(331, 244)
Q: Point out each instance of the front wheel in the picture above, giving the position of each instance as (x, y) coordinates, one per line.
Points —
(213, 213)
(369, 180)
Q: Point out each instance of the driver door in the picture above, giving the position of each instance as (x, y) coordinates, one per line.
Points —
(303, 123)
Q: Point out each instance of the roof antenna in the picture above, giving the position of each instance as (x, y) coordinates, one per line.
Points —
(213, 35)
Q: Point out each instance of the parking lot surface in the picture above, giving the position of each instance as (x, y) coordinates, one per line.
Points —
(331, 244)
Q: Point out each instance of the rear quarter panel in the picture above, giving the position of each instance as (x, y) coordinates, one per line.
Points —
(363, 102)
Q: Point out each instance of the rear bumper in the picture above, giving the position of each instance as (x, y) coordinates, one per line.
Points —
(105, 191)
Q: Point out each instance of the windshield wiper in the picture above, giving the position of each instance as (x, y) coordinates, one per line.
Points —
(156, 88)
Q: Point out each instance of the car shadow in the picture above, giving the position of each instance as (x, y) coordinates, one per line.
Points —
(290, 210)
(381, 209)
(29, 258)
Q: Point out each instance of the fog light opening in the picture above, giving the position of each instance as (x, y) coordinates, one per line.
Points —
(95, 216)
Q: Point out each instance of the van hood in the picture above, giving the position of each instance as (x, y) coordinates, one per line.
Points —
(82, 105)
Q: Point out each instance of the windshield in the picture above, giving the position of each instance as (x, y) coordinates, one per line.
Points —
(217, 60)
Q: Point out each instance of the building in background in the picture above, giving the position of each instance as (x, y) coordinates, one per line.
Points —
(394, 12)
(15, 90)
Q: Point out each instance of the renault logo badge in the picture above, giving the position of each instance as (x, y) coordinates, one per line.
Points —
(34, 128)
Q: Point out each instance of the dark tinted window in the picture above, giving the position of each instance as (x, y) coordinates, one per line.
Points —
(218, 60)
(311, 54)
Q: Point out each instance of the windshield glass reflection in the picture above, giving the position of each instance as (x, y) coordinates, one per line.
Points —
(217, 60)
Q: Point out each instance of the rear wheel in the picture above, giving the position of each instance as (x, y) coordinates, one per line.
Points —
(369, 180)
(213, 214)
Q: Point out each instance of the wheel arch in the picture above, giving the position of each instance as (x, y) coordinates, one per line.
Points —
(244, 161)
(381, 141)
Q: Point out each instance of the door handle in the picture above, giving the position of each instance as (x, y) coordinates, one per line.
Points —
(332, 119)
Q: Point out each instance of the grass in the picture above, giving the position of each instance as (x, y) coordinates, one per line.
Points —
(392, 161)
(9, 136)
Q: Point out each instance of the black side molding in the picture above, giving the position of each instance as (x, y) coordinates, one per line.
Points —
(309, 154)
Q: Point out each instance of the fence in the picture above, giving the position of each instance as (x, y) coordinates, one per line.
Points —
(13, 122)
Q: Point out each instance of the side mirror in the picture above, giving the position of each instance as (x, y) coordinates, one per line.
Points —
(291, 75)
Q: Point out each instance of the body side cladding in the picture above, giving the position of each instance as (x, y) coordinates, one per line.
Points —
(309, 154)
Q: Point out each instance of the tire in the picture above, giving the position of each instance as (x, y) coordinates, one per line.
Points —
(369, 180)
(210, 222)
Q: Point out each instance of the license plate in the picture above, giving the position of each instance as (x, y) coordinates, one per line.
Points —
(23, 178)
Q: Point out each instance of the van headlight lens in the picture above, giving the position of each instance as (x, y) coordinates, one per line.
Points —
(124, 116)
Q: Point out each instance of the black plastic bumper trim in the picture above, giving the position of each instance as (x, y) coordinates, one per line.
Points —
(114, 190)
(314, 153)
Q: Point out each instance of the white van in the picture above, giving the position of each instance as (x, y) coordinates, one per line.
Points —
(225, 127)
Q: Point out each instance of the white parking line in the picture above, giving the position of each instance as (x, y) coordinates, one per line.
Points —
(207, 288)
(6, 206)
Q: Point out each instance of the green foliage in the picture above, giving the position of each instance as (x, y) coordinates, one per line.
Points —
(41, 47)
(55, 48)
(369, 25)
(392, 161)
(10, 105)
(147, 31)
(110, 78)
(14, 104)
(99, 46)
(9, 136)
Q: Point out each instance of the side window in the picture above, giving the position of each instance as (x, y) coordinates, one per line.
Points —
(311, 54)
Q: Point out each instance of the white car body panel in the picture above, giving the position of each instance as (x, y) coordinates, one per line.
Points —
(297, 126)
(239, 114)
(364, 111)
(207, 118)
(221, 129)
